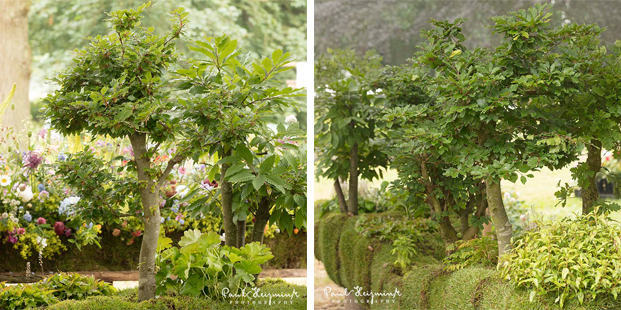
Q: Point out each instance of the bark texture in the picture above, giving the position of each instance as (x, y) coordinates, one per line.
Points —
(230, 229)
(352, 205)
(15, 62)
(594, 162)
(241, 233)
(149, 195)
(504, 230)
(340, 196)
(261, 218)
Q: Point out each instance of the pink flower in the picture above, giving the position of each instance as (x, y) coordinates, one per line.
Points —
(59, 228)
(42, 133)
(32, 159)
(130, 242)
(116, 232)
(67, 232)
(137, 233)
(182, 170)
(20, 231)
(41, 221)
(11, 239)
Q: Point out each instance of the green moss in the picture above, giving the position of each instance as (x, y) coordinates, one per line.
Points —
(330, 228)
(127, 300)
(348, 263)
(456, 290)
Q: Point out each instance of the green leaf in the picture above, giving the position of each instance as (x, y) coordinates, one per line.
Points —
(258, 182)
(244, 152)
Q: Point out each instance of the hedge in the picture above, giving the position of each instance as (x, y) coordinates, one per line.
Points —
(127, 300)
(352, 260)
(116, 255)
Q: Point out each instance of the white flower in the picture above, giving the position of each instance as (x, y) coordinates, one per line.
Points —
(15, 220)
(5, 215)
(42, 242)
(5, 180)
(26, 195)
(182, 190)
(291, 119)
(222, 237)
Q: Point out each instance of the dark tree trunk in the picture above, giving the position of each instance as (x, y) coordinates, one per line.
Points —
(241, 233)
(340, 196)
(352, 206)
(594, 163)
(230, 229)
(261, 219)
(504, 230)
(149, 195)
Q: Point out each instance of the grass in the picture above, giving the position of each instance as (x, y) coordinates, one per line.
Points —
(127, 299)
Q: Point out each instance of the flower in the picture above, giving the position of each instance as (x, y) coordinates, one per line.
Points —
(25, 194)
(11, 239)
(42, 242)
(5, 180)
(182, 190)
(20, 231)
(5, 215)
(137, 233)
(90, 225)
(27, 217)
(67, 232)
(41, 188)
(209, 185)
(62, 157)
(65, 206)
(182, 222)
(116, 232)
(162, 220)
(41, 221)
(59, 228)
(43, 195)
(130, 242)
(42, 133)
(182, 170)
(32, 159)
(291, 119)
(222, 238)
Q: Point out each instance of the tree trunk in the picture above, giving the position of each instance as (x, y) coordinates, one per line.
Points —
(230, 229)
(504, 231)
(241, 233)
(448, 232)
(352, 206)
(594, 163)
(149, 195)
(15, 64)
(340, 196)
(260, 220)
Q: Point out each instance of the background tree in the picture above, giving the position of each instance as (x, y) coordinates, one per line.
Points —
(346, 122)
(15, 63)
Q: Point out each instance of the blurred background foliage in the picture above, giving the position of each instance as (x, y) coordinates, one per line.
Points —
(57, 27)
(392, 27)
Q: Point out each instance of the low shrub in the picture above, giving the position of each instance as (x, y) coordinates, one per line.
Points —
(76, 286)
(25, 296)
(201, 266)
(571, 259)
(482, 252)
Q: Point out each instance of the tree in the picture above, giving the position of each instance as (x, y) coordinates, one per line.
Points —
(418, 153)
(15, 63)
(118, 88)
(346, 124)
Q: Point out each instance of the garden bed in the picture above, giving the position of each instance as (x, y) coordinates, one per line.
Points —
(351, 260)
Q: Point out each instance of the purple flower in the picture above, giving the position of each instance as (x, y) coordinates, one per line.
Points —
(32, 159)
(62, 157)
(11, 239)
(182, 222)
(67, 232)
(27, 217)
(41, 187)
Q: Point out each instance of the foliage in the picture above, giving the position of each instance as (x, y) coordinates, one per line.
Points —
(76, 286)
(481, 252)
(201, 266)
(346, 114)
(25, 296)
(582, 267)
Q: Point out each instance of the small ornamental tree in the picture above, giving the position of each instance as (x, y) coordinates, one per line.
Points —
(234, 99)
(346, 125)
(419, 155)
(492, 122)
(118, 88)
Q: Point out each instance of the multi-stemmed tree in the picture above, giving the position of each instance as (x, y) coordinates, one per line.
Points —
(119, 88)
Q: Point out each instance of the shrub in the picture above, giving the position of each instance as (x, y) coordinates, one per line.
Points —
(25, 296)
(200, 266)
(474, 252)
(76, 286)
(572, 259)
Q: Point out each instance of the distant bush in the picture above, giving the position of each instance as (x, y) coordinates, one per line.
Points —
(76, 286)
(478, 252)
(572, 259)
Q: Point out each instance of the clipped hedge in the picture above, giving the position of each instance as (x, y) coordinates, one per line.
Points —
(352, 260)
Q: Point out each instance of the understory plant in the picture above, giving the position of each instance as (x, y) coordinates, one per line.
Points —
(571, 259)
(25, 297)
(472, 253)
(76, 286)
(200, 266)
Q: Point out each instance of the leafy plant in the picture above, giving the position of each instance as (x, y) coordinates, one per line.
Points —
(470, 253)
(25, 296)
(201, 266)
(76, 286)
(404, 249)
(572, 259)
